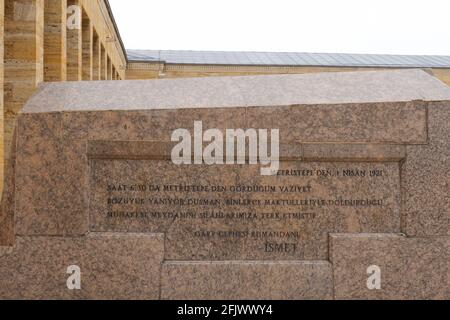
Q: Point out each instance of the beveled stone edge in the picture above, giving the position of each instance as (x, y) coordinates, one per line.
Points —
(248, 262)
(159, 150)
(320, 152)
(230, 107)
(93, 235)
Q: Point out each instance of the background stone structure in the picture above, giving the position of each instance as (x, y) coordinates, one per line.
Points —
(39, 47)
(159, 70)
(159, 64)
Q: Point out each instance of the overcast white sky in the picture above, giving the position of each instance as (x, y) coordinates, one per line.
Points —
(342, 26)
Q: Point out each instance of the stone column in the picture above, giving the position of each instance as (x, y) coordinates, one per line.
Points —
(24, 29)
(105, 64)
(55, 34)
(2, 11)
(109, 66)
(88, 47)
(96, 57)
(74, 41)
(103, 67)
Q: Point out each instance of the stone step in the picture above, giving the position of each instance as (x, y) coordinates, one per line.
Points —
(408, 268)
(132, 266)
(113, 266)
(244, 280)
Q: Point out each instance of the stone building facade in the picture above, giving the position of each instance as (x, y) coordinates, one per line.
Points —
(52, 40)
(137, 70)
(158, 64)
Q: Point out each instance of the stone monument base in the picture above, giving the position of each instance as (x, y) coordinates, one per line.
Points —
(132, 266)
(358, 209)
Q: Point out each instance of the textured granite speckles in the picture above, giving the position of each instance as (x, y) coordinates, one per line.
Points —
(411, 268)
(362, 123)
(218, 229)
(100, 149)
(391, 123)
(224, 92)
(324, 152)
(52, 151)
(51, 176)
(135, 95)
(353, 152)
(146, 125)
(343, 87)
(426, 178)
(113, 266)
(243, 280)
(345, 123)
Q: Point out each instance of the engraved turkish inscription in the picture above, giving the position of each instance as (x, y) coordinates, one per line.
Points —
(232, 212)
